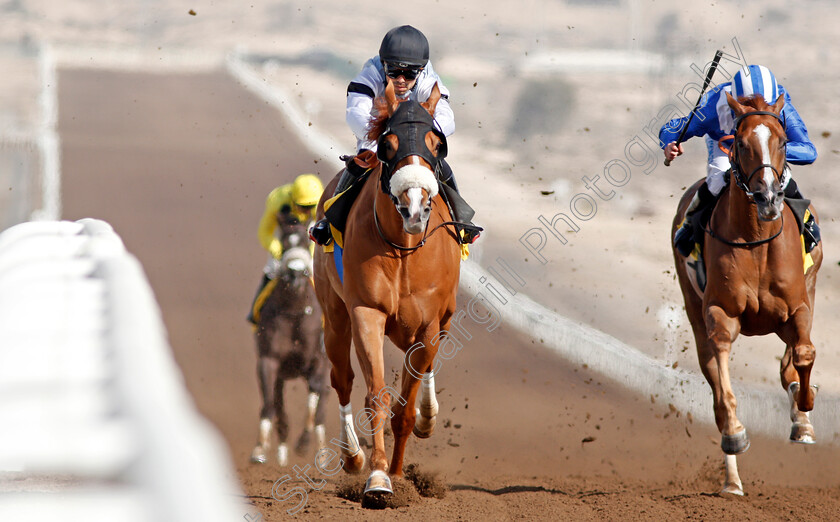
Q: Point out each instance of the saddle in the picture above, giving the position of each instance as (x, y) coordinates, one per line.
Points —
(353, 177)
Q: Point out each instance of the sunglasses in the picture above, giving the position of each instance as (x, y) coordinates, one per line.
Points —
(409, 73)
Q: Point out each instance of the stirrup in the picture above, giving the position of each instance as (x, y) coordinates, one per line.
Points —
(811, 234)
(320, 233)
(468, 233)
(684, 239)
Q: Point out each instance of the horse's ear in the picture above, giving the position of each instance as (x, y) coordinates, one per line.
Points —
(734, 105)
(779, 105)
(434, 98)
(391, 97)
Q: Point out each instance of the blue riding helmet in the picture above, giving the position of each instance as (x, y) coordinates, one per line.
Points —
(755, 79)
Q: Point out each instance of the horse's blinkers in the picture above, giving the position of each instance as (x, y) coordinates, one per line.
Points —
(410, 123)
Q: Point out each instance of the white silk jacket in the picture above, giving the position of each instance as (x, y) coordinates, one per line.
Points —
(370, 83)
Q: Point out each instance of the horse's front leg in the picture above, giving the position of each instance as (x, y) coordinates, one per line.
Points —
(267, 372)
(722, 330)
(795, 373)
(368, 336)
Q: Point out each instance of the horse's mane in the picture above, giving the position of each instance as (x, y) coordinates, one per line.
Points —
(756, 101)
(379, 123)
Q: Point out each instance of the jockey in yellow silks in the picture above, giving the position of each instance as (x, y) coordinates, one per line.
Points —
(301, 198)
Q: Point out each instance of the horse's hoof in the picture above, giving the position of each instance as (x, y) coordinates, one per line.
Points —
(258, 455)
(732, 489)
(735, 444)
(802, 433)
(354, 464)
(422, 432)
(378, 482)
(377, 490)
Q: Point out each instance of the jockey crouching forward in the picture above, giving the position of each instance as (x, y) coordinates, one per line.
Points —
(300, 198)
(404, 58)
(714, 119)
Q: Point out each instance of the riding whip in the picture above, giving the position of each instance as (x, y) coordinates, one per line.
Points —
(712, 69)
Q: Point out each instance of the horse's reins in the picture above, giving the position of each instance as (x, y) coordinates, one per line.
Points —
(743, 184)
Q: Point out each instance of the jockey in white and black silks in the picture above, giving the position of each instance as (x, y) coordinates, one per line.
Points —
(714, 119)
(404, 59)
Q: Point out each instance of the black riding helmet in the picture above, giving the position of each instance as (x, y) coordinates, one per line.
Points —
(404, 46)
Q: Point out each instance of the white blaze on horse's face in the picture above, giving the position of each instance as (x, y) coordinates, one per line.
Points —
(770, 205)
(414, 186)
(294, 240)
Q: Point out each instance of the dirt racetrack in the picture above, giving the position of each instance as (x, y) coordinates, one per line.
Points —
(180, 166)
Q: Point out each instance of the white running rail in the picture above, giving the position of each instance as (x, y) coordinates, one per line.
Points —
(96, 421)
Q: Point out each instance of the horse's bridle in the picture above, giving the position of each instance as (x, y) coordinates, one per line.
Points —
(426, 233)
(737, 176)
(409, 123)
(735, 164)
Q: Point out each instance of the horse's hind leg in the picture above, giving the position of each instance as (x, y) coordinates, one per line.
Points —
(424, 424)
(267, 372)
(314, 422)
(416, 374)
(795, 373)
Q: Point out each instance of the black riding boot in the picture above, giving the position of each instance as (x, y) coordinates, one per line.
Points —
(461, 211)
(810, 230)
(684, 237)
(251, 315)
(320, 231)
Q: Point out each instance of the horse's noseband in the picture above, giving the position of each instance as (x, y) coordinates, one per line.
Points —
(737, 173)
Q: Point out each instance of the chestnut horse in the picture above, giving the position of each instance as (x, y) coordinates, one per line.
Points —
(290, 345)
(401, 267)
(757, 282)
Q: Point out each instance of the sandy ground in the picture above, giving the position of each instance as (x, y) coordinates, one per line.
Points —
(182, 175)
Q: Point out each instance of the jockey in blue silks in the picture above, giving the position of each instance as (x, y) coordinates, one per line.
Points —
(714, 119)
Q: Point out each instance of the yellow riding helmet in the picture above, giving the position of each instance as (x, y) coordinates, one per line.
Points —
(307, 190)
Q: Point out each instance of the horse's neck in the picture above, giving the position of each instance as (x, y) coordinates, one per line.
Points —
(742, 217)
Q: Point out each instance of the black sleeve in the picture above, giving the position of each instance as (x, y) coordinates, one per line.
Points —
(360, 88)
